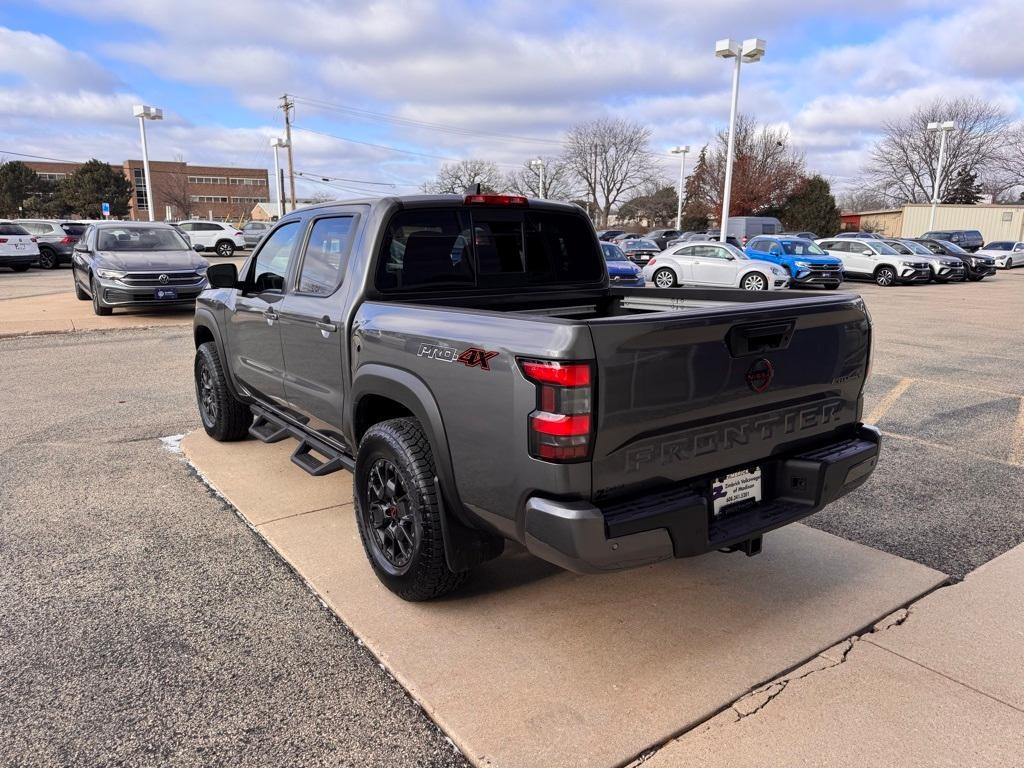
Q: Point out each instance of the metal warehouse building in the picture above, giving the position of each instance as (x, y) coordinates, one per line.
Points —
(996, 222)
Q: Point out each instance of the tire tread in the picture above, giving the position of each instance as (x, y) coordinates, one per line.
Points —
(233, 416)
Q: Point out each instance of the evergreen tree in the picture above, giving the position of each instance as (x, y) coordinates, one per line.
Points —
(964, 190)
(92, 184)
(18, 183)
(812, 208)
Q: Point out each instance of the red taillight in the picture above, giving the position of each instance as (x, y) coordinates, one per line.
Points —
(561, 426)
(3, 240)
(68, 240)
(238, 234)
(649, 263)
(495, 200)
(34, 239)
(551, 372)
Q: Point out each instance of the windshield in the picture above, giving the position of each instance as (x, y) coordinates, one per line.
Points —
(613, 252)
(998, 246)
(639, 245)
(882, 248)
(801, 248)
(75, 230)
(140, 239)
(952, 247)
(917, 248)
(12, 229)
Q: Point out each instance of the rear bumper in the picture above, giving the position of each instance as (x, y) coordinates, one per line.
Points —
(677, 522)
(17, 259)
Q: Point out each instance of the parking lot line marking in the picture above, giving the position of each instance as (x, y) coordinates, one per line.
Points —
(950, 448)
(1016, 454)
(959, 385)
(889, 400)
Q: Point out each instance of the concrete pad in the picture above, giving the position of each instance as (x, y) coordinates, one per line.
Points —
(972, 632)
(874, 709)
(62, 312)
(531, 665)
(260, 478)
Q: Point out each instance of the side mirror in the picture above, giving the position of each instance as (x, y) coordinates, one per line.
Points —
(197, 248)
(222, 276)
(81, 247)
(867, 252)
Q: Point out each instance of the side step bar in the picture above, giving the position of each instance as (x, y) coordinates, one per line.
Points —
(268, 428)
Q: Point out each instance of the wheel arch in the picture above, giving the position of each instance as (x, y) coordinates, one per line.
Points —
(204, 329)
(755, 271)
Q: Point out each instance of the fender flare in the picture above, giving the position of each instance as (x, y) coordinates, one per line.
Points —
(465, 544)
(410, 391)
(204, 319)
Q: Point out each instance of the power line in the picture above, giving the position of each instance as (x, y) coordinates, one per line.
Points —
(411, 123)
(322, 177)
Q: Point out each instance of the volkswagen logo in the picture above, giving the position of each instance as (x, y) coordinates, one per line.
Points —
(164, 279)
(759, 375)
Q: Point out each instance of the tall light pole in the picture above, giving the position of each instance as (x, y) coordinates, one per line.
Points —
(277, 144)
(750, 50)
(943, 129)
(144, 113)
(679, 190)
(539, 164)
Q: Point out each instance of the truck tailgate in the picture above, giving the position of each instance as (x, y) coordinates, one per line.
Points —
(690, 393)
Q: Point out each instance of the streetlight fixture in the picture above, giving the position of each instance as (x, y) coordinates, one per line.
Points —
(539, 163)
(943, 129)
(682, 150)
(144, 113)
(278, 143)
(750, 50)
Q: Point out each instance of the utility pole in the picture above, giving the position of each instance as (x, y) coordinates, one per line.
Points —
(287, 106)
(943, 128)
(539, 164)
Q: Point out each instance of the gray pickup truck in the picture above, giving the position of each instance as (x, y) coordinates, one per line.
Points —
(467, 360)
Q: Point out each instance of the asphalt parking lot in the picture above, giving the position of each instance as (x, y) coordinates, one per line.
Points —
(141, 621)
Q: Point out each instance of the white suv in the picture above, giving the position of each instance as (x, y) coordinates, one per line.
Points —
(217, 236)
(874, 260)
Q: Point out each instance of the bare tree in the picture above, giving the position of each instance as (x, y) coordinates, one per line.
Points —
(453, 178)
(175, 191)
(559, 183)
(903, 162)
(1006, 176)
(862, 199)
(766, 171)
(612, 160)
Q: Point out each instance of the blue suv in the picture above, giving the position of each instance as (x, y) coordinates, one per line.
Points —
(806, 262)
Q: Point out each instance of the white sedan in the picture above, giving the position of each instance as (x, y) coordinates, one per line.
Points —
(1007, 253)
(718, 265)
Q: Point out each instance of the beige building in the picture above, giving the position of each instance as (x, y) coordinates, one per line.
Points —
(995, 222)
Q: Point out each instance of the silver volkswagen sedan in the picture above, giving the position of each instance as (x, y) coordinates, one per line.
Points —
(128, 263)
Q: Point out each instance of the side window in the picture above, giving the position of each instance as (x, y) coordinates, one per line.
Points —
(186, 226)
(837, 245)
(775, 249)
(326, 257)
(1018, 247)
(210, 227)
(757, 244)
(270, 268)
(425, 249)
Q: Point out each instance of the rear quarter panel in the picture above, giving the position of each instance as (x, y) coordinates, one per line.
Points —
(484, 409)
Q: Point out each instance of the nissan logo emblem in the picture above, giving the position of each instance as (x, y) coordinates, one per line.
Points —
(164, 279)
(760, 375)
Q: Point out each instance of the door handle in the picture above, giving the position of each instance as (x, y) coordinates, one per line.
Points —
(271, 315)
(326, 326)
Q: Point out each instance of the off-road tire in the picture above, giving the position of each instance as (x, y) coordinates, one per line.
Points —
(403, 443)
(48, 259)
(230, 418)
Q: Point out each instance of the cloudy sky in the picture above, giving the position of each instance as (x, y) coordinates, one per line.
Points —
(500, 80)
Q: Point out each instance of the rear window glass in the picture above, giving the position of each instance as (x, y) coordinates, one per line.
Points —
(75, 230)
(442, 248)
(12, 229)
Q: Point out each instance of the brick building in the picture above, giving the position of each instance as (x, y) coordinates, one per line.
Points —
(183, 191)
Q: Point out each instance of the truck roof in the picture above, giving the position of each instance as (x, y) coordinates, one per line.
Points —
(429, 201)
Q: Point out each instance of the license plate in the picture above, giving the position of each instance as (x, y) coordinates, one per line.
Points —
(165, 294)
(744, 485)
(19, 246)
